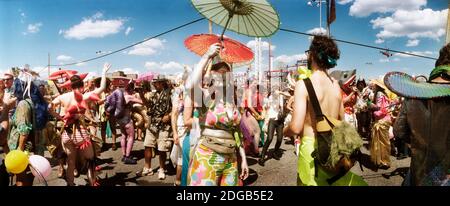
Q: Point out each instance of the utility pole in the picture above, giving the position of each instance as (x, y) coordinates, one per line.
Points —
(270, 67)
(318, 4)
(447, 40)
(328, 16)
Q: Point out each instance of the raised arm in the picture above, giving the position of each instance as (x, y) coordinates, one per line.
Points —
(173, 120)
(188, 109)
(52, 107)
(102, 87)
(195, 77)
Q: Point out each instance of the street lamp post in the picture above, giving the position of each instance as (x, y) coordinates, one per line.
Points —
(318, 4)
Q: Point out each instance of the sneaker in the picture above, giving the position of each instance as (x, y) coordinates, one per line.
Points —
(261, 162)
(145, 172)
(129, 161)
(161, 174)
(123, 159)
(277, 155)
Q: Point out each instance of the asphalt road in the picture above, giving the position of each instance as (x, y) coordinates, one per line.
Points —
(275, 172)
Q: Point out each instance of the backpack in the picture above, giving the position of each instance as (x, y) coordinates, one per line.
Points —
(338, 142)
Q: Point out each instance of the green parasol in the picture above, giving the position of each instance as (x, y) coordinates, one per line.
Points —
(255, 18)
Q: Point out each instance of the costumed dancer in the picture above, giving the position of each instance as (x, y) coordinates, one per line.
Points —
(214, 161)
(75, 138)
(29, 118)
(380, 145)
(322, 56)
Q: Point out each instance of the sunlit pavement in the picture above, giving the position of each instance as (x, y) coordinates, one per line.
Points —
(275, 172)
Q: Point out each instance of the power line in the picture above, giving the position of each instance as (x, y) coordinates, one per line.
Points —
(363, 45)
(127, 47)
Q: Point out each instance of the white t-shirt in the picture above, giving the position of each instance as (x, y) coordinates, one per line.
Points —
(275, 105)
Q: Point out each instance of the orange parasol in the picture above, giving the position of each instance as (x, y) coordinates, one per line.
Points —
(232, 51)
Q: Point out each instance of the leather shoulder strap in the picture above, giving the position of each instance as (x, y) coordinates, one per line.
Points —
(313, 99)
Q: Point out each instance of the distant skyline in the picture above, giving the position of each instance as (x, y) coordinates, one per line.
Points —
(74, 30)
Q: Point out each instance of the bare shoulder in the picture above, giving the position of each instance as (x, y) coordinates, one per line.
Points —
(336, 84)
(300, 88)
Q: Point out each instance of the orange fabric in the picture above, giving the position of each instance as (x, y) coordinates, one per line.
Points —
(349, 106)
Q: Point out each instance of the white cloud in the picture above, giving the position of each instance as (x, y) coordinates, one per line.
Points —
(23, 16)
(63, 58)
(93, 27)
(81, 64)
(129, 29)
(286, 59)
(412, 42)
(363, 8)
(379, 41)
(423, 53)
(265, 45)
(317, 31)
(412, 24)
(344, 1)
(97, 15)
(148, 48)
(33, 28)
(385, 60)
(164, 67)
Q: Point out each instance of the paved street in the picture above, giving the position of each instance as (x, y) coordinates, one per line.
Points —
(275, 172)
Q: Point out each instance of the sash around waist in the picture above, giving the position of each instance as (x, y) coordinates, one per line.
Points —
(222, 134)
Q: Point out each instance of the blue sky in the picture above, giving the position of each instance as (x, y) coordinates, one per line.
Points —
(74, 30)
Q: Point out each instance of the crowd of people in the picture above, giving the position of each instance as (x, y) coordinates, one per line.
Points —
(206, 125)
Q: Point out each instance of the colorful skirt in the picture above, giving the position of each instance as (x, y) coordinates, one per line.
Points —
(380, 144)
(208, 168)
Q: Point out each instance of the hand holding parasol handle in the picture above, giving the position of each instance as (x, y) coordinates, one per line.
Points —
(230, 16)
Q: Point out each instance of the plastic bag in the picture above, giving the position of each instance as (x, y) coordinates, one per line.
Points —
(195, 132)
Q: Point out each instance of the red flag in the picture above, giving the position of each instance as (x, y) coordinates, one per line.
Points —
(332, 13)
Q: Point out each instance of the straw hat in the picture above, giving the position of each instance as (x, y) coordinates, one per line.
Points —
(380, 83)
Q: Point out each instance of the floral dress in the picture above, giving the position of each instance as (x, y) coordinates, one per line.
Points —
(22, 124)
(207, 167)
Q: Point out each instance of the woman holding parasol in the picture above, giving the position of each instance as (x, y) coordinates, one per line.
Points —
(219, 119)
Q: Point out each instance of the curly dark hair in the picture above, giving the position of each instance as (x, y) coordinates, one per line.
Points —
(97, 82)
(76, 82)
(444, 56)
(146, 86)
(323, 49)
(130, 86)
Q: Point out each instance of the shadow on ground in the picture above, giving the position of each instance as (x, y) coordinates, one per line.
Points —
(252, 177)
(120, 178)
